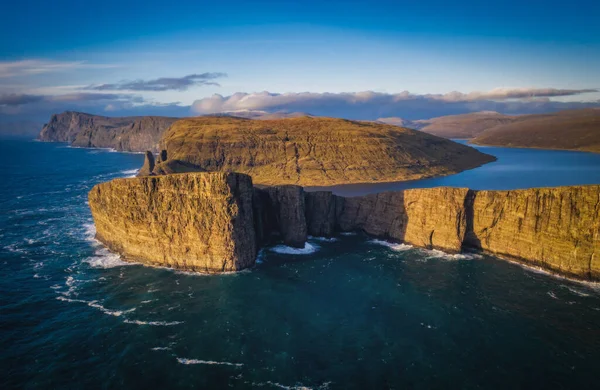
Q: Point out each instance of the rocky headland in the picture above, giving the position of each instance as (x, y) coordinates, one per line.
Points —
(129, 134)
(309, 151)
(216, 222)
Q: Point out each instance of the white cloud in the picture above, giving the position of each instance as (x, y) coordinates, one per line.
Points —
(370, 105)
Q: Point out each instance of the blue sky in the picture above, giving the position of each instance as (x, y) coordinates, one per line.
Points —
(60, 52)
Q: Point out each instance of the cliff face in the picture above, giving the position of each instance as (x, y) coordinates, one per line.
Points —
(311, 151)
(430, 218)
(555, 228)
(132, 134)
(196, 222)
(214, 222)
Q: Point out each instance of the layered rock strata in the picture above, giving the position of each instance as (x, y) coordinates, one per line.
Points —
(130, 134)
(311, 151)
(197, 222)
(214, 222)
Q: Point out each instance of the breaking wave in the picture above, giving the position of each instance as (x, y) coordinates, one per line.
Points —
(391, 245)
(288, 250)
(96, 305)
(196, 361)
(153, 323)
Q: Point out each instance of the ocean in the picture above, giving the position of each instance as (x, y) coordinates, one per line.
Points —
(348, 313)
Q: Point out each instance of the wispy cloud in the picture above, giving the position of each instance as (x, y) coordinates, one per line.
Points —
(40, 66)
(163, 83)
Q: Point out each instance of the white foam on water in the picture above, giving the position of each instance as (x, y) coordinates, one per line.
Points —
(552, 295)
(348, 233)
(197, 361)
(153, 323)
(578, 292)
(323, 239)
(391, 245)
(96, 305)
(129, 172)
(105, 259)
(438, 254)
(148, 301)
(288, 250)
(161, 349)
(260, 256)
(294, 387)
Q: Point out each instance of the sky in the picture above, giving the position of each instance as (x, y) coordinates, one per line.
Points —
(358, 60)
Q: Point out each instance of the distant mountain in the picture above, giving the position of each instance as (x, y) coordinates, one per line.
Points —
(396, 121)
(461, 126)
(571, 129)
(132, 134)
(21, 129)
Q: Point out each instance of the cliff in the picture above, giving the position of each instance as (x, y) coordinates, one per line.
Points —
(311, 151)
(131, 134)
(214, 222)
(570, 130)
(196, 222)
(554, 228)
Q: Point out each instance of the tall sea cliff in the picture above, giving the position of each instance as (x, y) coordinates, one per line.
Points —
(216, 222)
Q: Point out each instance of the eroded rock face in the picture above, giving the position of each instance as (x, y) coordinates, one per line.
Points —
(321, 210)
(131, 134)
(198, 222)
(555, 228)
(432, 218)
(214, 222)
(284, 213)
(148, 167)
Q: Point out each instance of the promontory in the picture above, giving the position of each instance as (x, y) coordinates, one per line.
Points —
(309, 151)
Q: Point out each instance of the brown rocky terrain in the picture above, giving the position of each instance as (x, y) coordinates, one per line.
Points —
(130, 134)
(197, 222)
(571, 130)
(214, 222)
(311, 151)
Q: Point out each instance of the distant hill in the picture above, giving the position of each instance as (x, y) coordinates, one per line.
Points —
(571, 129)
(461, 126)
(311, 151)
(132, 134)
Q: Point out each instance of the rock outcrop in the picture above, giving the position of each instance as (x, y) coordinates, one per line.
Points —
(554, 228)
(214, 222)
(433, 218)
(130, 134)
(282, 212)
(197, 222)
(312, 151)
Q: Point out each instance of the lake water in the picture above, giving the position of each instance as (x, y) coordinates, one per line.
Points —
(356, 313)
(514, 169)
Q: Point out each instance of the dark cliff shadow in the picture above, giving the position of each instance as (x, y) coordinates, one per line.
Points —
(471, 241)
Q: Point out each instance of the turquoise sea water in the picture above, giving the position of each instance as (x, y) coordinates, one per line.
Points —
(355, 313)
